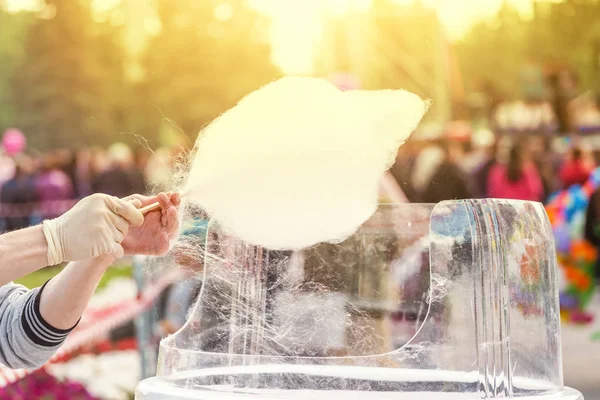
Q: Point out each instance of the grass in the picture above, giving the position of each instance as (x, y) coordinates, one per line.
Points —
(40, 277)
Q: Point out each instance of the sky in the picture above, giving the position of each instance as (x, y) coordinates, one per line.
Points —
(296, 24)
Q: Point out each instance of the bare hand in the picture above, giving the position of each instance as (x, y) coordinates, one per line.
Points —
(154, 237)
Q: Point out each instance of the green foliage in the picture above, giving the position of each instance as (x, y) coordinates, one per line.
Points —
(573, 36)
(63, 80)
(407, 40)
(67, 72)
(13, 28)
(494, 51)
(65, 89)
(207, 56)
(38, 278)
(560, 34)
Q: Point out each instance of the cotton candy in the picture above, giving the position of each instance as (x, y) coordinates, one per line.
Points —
(298, 162)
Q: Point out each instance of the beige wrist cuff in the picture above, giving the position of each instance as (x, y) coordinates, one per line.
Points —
(54, 251)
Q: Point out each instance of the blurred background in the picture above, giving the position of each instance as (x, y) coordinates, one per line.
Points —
(105, 95)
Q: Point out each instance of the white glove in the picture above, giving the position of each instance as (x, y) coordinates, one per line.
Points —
(96, 226)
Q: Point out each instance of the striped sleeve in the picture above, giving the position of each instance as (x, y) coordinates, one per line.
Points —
(36, 328)
(26, 339)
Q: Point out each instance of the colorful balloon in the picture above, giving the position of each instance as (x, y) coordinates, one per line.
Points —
(576, 257)
(13, 142)
(345, 81)
(562, 239)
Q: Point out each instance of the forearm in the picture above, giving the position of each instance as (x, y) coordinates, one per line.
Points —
(65, 297)
(22, 252)
(392, 190)
(36, 322)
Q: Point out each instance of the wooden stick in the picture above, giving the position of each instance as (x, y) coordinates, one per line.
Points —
(156, 206)
(150, 207)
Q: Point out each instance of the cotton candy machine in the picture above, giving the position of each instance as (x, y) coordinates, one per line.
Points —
(457, 300)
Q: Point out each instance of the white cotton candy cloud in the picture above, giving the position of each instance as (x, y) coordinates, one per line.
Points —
(298, 162)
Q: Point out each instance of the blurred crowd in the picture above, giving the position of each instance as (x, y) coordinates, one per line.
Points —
(57, 178)
(484, 165)
(451, 166)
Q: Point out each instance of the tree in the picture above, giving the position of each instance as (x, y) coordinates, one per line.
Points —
(13, 27)
(573, 36)
(389, 46)
(207, 56)
(560, 34)
(66, 87)
(495, 51)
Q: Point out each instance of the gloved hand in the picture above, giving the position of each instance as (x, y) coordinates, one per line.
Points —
(96, 226)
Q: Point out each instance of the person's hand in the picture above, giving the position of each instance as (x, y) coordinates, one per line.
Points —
(167, 327)
(186, 260)
(154, 236)
(95, 227)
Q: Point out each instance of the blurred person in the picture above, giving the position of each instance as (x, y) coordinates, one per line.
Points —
(159, 170)
(591, 231)
(180, 299)
(577, 168)
(469, 160)
(403, 168)
(98, 230)
(122, 177)
(562, 85)
(517, 179)
(478, 162)
(481, 175)
(100, 162)
(20, 190)
(53, 183)
(141, 157)
(180, 296)
(448, 182)
(459, 136)
(83, 172)
(596, 156)
(172, 309)
(426, 164)
(480, 144)
(7, 168)
(174, 302)
(547, 162)
(66, 161)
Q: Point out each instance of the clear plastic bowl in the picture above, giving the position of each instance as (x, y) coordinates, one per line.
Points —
(454, 300)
